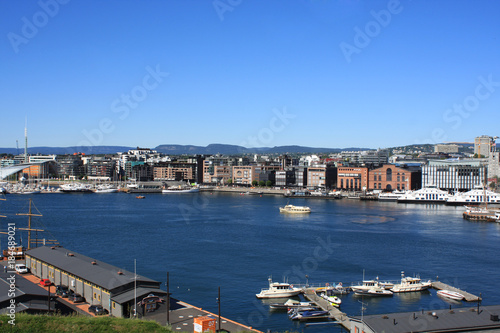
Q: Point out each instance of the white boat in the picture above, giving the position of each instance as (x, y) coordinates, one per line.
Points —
(429, 194)
(76, 188)
(371, 284)
(105, 188)
(451, 294)
(278, 290)
(409, 284)
(180, 189)
(291, 209)
(333, 300)
(476, 196)
(390, 196)
(291, 303)
(374, 292)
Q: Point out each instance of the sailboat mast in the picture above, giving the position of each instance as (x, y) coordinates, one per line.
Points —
(29, 214)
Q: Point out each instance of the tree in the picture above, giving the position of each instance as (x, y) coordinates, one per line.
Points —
(269, 183)
(255, 183)
(229, 181)
(262, 183)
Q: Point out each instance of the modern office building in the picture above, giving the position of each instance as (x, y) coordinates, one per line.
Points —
(453, 174)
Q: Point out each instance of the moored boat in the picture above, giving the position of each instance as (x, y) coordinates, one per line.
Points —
(374, 292)
(477, 196)
(409, 284)
(451, 294)
(76, 188)
(291, 209)
(278, 290)
(180, 189)
(429, 194)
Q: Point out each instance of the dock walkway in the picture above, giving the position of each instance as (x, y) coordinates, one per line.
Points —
(468, 296)
(334, 312)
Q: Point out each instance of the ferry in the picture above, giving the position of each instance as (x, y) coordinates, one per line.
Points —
(76, 188)
(429, 194)
(475, 196)
(390, 196)
(278, 290)
(409, 284)
(291, 209)
(180, 189)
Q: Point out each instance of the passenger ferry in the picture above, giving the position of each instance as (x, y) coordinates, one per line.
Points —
(429, 194)
(291, 209)
(476, 196)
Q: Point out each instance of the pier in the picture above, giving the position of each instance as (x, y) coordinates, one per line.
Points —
(467, 296)
(333, 312)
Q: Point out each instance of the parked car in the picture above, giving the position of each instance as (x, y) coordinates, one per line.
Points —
(76, 298)
(62, 290)
(45, 282)
(98, 310)
(21, 268)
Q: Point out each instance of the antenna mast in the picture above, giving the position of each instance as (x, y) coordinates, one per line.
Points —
(26, 141)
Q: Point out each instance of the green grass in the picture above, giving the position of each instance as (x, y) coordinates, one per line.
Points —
(75, 323)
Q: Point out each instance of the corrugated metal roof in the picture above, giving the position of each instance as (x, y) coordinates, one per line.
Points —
(141, 292)
(101, 274)
(455, 320)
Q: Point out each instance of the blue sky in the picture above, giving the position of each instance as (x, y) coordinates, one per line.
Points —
(318, 73)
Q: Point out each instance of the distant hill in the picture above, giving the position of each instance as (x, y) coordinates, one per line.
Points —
(234, 149)
(211, 149)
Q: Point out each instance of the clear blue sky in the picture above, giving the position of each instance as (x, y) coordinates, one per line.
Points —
(257, 73)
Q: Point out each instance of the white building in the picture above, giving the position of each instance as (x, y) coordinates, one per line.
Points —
(454, 174)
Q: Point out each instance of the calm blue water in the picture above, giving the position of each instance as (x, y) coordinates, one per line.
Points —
(237, 241)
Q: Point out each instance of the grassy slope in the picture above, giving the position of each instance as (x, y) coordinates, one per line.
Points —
(74, 324)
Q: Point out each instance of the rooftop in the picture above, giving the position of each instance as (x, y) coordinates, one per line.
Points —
(455, 320)
(95, 271)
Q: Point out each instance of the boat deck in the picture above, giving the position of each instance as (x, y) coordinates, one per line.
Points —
(334, 312)
(468, 296)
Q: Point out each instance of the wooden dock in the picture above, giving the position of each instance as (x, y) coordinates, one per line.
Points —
(334, 312)
(468, 296)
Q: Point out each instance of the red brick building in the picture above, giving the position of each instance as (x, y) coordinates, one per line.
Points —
(352, 178)
(390, 177)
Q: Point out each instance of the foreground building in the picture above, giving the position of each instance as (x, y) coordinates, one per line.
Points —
(100, 283)
(456, 320)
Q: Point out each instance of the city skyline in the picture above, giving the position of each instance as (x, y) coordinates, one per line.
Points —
(312, 73)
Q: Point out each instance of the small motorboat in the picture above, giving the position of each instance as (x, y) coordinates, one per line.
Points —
(310, 314)
(451, 294)
(140, 197)
(291, 303)
(333, 300)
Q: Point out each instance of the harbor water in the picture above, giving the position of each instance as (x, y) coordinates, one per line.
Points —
(235, 241)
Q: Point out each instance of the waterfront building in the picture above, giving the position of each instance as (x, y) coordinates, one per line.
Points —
(352, 178)
(102, 168)
(244, 174)
(189, 169)
(292, 177)
(316, 176)
(483, 145)
(114, 288)
(218, 169)
(70, 165)
(391, 177)
(453, 174)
